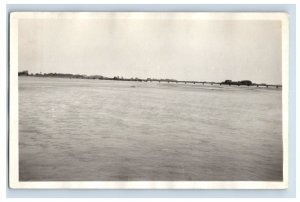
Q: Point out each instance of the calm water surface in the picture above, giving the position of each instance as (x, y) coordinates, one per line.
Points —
(73, 129)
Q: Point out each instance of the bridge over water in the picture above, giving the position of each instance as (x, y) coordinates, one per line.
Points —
(210, 83)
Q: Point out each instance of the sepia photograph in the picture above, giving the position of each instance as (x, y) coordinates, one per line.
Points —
(148, 100)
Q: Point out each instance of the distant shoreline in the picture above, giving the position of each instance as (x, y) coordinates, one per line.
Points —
(226, 83)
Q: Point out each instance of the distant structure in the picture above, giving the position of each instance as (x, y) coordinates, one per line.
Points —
(239, 83)
(246, 82)
(228, 82)
(23, 73)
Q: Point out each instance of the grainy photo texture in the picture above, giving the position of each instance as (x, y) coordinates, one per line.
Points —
(147, 97)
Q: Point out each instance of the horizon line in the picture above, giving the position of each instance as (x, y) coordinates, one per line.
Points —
(143, 79)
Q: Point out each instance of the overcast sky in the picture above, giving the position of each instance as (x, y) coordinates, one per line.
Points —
(202, 50)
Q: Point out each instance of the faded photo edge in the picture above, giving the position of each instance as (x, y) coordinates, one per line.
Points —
(14, 136)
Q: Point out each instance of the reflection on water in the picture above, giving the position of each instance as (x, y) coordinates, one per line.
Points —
(72, 129)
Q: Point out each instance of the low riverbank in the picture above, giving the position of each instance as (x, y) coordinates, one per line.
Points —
(97, 77)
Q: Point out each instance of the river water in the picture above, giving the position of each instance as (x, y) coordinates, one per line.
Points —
(76, 129)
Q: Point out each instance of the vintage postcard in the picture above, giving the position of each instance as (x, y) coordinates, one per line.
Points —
(148, 100)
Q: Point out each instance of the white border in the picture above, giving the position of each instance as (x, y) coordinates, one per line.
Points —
(13, 107)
